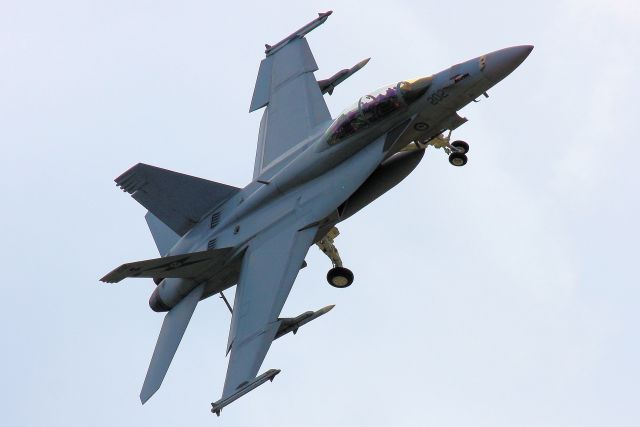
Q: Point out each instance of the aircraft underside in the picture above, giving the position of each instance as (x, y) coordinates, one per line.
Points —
(311, 172)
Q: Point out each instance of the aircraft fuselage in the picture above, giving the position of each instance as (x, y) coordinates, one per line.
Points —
(349, 155)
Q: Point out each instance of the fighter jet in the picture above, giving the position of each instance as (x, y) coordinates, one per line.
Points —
(311, 172)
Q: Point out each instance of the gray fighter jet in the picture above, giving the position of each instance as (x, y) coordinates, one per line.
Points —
(311, 172)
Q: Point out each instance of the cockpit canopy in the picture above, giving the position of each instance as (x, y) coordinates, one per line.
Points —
(375, 107)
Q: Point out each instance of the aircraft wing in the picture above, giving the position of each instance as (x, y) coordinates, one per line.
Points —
(269, 268)
(294, 103)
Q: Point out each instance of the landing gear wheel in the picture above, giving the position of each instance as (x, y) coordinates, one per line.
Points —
(458, 159)
(340, 277)
(460, 146)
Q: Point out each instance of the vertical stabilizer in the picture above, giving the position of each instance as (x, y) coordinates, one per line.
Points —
(173, 327)
(163, 236)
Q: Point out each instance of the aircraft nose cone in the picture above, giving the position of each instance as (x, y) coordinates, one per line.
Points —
(501, 63)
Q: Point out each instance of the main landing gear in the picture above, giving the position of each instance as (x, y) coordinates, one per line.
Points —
(338, 276)
(457, 150)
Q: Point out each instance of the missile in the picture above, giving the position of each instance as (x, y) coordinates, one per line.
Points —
(216, 407)
(322, 17)
(328, 85)
(286, 325)
(293, 324)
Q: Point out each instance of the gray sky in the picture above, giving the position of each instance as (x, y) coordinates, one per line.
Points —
(502, 293)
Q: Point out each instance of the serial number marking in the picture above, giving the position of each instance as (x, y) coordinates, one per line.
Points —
(437, 96)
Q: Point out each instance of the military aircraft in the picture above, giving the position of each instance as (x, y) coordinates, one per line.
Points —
(311, 172)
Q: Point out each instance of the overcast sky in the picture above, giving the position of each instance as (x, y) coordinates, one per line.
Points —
(504, 293)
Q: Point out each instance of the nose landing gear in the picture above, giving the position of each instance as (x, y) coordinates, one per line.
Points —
(338, 276)
(459, 156)
(457, 150)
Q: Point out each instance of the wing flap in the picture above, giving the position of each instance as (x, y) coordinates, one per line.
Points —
(262, 90)
(185, 266)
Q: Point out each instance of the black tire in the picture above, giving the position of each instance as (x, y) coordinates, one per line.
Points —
(458, 159)
(340, 277)
(461, 146)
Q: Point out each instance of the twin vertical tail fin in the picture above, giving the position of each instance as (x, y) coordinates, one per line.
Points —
(179, 201)
(163, 236)
(173, 328)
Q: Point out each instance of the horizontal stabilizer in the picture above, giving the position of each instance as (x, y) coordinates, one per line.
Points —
(176, 199)
(293, 324)
(187, 266)
(173, 327)
(216, 407)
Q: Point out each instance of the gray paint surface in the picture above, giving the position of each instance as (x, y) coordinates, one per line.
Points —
(538, 328)
(337, 170)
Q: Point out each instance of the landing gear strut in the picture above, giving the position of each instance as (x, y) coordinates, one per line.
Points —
(457, 150)
(338, 276)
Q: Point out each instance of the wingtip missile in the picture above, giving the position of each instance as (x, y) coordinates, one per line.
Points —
(216, 407)
(301, 32)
